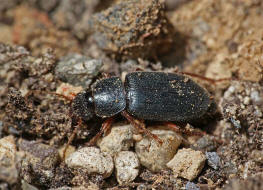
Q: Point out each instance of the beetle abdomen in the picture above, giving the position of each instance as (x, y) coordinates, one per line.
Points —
(165, 97)
(109, 97)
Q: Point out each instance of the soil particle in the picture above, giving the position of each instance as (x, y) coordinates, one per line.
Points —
(91, 160)
(127, 166)
(152, 155)
(187, 163)
(119, 139)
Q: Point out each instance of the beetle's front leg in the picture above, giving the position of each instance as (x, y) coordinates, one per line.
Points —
(106, 125)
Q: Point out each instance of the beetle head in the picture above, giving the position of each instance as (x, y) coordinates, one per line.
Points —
(83, 106)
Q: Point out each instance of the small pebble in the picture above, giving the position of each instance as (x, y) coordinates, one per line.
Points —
(154, 156)
(191, 186)
(187, 163)
(213, 159)
(127, 166)
(120, 138)
(91, 160)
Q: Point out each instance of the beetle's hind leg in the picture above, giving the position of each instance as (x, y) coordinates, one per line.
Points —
(106, 125)
(141, 126)
(178, 129)
(213, 81)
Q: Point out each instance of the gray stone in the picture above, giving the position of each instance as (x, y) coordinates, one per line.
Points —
(154, 156)
(213, 159)
(191, 186)
(77, 69)
(127, 166)
(91, 160)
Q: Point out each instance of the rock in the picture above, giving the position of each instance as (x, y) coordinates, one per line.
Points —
(152, 155)
(127, 166)
(187, 163)
(213, 159)
(120, 138)
(191, 186)
(8, 171)
(121, 29)
(77, 69)
(91, 160)
(37, 168)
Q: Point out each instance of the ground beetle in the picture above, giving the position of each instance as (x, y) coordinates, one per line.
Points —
(155, 96)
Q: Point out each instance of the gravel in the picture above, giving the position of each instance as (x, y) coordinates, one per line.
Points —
(91, 160)
(154, 156)
(127, 166)
(187, 163)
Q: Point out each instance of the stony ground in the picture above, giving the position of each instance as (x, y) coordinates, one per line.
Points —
(50, 47)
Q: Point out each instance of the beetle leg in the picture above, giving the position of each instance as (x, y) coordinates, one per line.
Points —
(71, 138)
(106, 125)
(139, 125)
(177, 129)
(206, 78)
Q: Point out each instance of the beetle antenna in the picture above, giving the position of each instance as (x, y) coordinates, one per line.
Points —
(68, 98)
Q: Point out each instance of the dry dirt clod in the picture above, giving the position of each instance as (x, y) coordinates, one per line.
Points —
(91, 160)
(187, 163)
(8, 170)
(154, 156)
(120, 138)
(127, 166)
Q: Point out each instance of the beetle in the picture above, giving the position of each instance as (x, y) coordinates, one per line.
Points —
(154, 96)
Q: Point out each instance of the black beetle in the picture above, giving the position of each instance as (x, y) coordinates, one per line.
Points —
(155, 96)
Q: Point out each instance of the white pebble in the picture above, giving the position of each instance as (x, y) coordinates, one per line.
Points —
(91, 160)
(127, 166)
